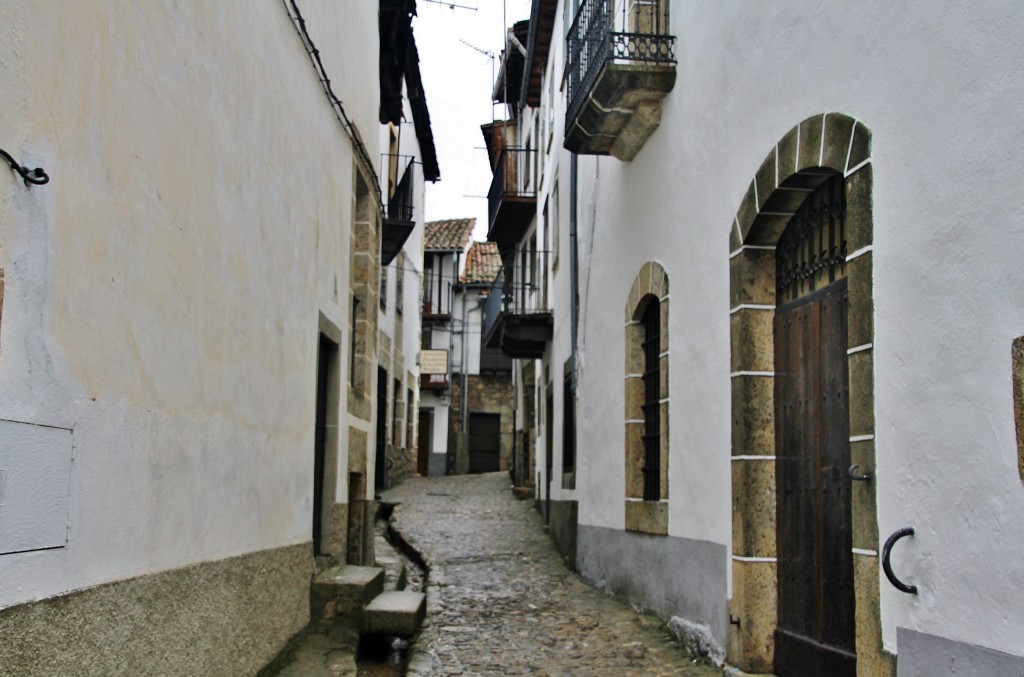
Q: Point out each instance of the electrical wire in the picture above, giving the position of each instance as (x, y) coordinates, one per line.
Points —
(325, 82)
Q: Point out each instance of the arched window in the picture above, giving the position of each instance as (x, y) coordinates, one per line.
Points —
(646, 399)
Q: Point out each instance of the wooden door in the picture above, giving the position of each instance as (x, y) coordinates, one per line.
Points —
(380, 457)
(326, 352)
(815, 632)
(425, 438)
(484, 443)
(549, 452)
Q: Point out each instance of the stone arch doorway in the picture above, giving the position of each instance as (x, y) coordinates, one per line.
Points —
(823, 148)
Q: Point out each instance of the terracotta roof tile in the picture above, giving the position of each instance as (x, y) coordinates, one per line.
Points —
(482, 263)
(448, 234)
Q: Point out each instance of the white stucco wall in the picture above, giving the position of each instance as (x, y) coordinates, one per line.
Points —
(940, 86)
(163, 291)
(467, 316)
(440, 407)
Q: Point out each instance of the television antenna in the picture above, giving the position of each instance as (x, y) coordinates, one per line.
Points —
(486, 52)
(453, 5)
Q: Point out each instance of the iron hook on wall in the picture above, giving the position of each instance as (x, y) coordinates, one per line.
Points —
(31, 176)
(859, 478)
(887, 566)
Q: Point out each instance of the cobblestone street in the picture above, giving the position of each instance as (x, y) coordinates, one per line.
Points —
(500, 601)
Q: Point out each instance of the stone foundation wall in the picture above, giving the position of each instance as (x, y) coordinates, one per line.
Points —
(228, 617)
(490, 394)
(401, 463)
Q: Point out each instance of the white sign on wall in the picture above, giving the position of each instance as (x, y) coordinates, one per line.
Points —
(433, 361)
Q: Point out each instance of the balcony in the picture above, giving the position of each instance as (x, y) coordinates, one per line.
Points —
(493, 361)
(433, 381)
(517, 316)
(512, 198)
(399, 218)
(620, 65)
(437, 297)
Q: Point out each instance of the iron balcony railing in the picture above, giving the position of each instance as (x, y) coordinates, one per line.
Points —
(518, 289)
(399, 208)
(437, 296)
(493, 306)
(401, 205)
(514, 179)
(603, 30)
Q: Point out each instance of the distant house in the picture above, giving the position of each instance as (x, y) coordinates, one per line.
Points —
(466, 397)
(445, 246)
(480, 424)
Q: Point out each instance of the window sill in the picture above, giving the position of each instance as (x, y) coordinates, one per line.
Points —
(649, 517)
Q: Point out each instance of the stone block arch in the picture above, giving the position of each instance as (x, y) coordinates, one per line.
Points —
(650, 286)
(820, 147)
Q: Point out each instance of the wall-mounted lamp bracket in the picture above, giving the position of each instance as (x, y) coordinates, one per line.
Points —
(31, 176)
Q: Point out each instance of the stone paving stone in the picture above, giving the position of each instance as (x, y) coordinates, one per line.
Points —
(500, 602)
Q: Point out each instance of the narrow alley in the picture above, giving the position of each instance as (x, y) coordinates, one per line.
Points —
(499, 600)
(307, 306)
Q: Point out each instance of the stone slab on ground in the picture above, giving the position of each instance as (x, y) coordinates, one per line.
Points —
(399, 612)
(344, 589)
(391, 562)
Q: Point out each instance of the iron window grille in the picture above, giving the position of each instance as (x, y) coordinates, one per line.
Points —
(811, 253)
(652, 400)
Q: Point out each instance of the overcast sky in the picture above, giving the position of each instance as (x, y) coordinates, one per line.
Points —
(457, 81)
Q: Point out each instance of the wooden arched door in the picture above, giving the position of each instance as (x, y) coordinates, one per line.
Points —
(816, 626)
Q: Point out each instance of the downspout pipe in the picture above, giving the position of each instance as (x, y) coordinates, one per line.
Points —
(464, 359)
(574, 271)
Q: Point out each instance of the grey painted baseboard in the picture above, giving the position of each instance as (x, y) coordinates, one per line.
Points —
(924, 655)
(563, 529)
(437, 465)
(669, 575)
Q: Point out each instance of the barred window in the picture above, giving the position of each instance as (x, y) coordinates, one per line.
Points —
(652, 400)
(646, 395)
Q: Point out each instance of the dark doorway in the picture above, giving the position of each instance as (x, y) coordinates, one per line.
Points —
(356, 518)
(816, 625)
(327, 360)
(380, 457)
(425, 438)
(549, 449)
(484, 443)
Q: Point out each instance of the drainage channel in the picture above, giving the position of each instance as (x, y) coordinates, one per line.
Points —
(387, 655)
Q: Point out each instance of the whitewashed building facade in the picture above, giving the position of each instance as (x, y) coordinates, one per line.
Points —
(794, 234)
(189, 334)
